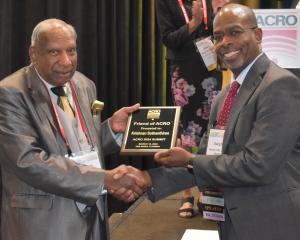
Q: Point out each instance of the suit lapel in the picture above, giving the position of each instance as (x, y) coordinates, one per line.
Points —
(251, 82)
(84, 106)
(43, 105)
(40, 96)
(44, 109)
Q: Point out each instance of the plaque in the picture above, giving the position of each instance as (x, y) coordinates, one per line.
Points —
(151, 129)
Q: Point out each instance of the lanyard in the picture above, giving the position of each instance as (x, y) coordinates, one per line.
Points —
(205, 17)
(186, 17)
(79, 114)
(61, 130)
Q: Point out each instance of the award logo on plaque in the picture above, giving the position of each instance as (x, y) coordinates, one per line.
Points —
(151, 129)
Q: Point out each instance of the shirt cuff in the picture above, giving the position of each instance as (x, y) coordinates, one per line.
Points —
(117, 136)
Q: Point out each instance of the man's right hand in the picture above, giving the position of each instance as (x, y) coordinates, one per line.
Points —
(197, 12)
(126, 183)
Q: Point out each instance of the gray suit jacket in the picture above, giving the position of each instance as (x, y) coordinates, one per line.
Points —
(39, 185)
(259, 170)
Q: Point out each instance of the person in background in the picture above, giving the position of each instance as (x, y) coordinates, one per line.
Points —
(53, 181)
(193, 87)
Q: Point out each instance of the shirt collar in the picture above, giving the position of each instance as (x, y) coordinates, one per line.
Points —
(49, 86)
(241, 77)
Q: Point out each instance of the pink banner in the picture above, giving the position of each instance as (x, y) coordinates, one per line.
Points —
(281, 34)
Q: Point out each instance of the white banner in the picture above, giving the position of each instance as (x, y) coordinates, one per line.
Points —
(281, 35)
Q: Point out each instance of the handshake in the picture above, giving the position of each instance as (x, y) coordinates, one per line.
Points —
(126, 183)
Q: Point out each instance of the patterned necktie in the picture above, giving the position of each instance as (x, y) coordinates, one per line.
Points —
(63, 101)
(228, 103)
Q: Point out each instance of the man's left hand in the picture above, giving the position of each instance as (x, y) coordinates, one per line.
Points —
(174, 157)
(118, 120)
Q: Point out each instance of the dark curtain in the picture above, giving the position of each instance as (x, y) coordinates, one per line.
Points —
(118, 45)
(118, 48)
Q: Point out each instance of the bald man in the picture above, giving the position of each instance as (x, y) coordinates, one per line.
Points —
(258, 166)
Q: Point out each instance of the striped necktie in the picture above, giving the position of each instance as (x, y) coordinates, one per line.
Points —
(63, 101)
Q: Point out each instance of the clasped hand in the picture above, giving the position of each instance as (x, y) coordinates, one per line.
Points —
(127, 183)
(197, 11)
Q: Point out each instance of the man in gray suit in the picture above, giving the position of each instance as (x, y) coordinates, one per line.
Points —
(258, 168)
(53, 182)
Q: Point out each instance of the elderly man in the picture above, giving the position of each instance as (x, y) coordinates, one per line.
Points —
(52, 149)
(257, 124)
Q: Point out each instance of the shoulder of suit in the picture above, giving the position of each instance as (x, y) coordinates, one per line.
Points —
(80, 78)
(83, 82)
(17, 79)
(280, 72)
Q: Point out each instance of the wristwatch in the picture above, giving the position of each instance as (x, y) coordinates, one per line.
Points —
(190, 164)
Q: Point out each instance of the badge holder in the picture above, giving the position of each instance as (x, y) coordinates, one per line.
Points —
(88, 157)
(206, 49)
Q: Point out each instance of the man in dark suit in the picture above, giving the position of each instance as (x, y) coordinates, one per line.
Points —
(54, 185)
(258, 166)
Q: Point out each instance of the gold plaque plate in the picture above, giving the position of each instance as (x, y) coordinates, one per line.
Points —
(151, 129)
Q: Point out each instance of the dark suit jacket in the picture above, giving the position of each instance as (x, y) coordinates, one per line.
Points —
(259, 170)
(40, 186)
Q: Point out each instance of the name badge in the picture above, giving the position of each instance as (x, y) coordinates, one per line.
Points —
(215, 142)
(90, 158)
(206, 49)
(213, 200)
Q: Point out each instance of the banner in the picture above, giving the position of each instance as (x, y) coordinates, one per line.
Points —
(281, 35)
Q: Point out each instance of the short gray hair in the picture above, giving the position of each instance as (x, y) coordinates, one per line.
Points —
(47, 25)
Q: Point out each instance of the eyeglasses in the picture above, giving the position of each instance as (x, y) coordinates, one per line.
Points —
(235, 32)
